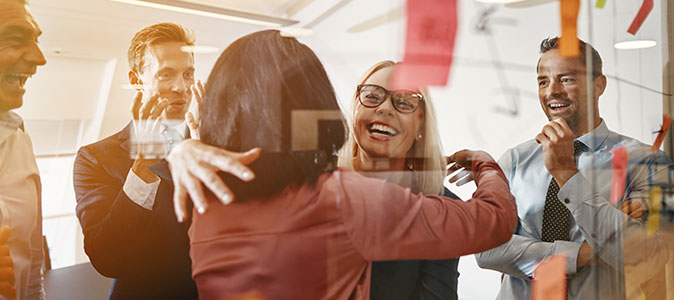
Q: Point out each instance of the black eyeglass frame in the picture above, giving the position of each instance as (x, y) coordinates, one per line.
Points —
(389, 94)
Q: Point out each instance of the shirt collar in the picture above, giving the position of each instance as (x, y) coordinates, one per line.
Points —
(9, 123)
(595, 138)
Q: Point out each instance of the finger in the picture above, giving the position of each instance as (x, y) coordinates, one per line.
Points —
(223, 161)
(180, 201)
(460, 175)
(465, 180)
(5, 231)
(190, 121)
(147, 107)
(196, 191)
(454, 167)
(564, 126)
(550, 133)
(624, 207)
(636, 214)
(559, 130)
(137, 103)
(213, 182)
(541, 138)
(158, 109)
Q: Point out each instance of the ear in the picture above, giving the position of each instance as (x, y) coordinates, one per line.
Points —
(135, 80)
(599, 86)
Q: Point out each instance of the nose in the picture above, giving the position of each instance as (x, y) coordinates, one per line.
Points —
(554, 90)
(181, 85)
(35, 56)
(386, 107)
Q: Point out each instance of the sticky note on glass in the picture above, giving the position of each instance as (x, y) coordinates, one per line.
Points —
(569, 46)
(645, 9)
(620, 158)
(601, 3)
(654, 207)
(666, 123)
(429, 44)
(550, 279)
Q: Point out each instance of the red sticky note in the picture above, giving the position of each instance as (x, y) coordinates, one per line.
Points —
(619, 173)
(550, 279)
(429, 43)
(569, 46)
(666, 123)
(645, 9)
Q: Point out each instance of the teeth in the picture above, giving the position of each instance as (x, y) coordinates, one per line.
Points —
(384, 129)
(18, 78)
(557, 105)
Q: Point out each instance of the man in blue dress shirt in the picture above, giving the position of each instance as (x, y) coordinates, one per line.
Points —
(561, 181)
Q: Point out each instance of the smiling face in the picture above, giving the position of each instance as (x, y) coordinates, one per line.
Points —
(169, 72)
(562, 91)
(19, 52)
(383, 131)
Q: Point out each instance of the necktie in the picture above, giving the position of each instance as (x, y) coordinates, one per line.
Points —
(556, 217)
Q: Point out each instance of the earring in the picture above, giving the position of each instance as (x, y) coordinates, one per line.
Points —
(419, 137)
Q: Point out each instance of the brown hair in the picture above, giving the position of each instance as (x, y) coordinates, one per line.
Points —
(552, 43)
(157, 33)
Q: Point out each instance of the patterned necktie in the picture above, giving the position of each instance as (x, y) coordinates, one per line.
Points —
(556, 217)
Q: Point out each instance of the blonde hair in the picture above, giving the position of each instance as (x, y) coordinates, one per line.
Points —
(153, 34)
(431, 169)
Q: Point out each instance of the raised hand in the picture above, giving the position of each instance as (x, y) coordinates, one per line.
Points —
(463, 161)
(193, 163)
(557, 140)
(192, 116)
(148, 146)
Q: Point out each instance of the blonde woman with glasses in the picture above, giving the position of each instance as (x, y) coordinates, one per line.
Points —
(394, 136)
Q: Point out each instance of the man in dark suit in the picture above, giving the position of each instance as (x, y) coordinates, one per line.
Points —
(126, 212)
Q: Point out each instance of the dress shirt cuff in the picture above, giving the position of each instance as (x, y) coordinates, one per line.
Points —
(139, 191)
(570, 250)
(575, 192)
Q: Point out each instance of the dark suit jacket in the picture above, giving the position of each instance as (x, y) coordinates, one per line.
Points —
(146, 252)
(416, 279)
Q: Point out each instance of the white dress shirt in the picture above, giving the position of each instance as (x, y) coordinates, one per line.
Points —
(20, 196)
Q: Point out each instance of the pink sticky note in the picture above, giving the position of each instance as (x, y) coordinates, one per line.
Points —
(429, 43)
(666, 123)
(619, 174)
(550, 279)
(645, 9)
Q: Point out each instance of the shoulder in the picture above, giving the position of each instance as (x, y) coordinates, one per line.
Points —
(109, 143)
(637, 151)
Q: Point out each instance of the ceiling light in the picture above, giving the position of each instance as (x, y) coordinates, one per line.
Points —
(199, 49)
(636, 44)
(296, 32)
(499, 1)
(213, 12)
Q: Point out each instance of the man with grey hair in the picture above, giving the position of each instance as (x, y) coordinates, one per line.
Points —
(20, 187)
(561, 181)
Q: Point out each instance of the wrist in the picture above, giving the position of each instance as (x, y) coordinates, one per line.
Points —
(563, 176)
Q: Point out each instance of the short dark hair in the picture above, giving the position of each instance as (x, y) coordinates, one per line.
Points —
(254, 87)
(157, 33)
(552, 43)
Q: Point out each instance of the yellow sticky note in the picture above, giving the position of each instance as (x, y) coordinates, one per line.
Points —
(654, 210)
(601, 3)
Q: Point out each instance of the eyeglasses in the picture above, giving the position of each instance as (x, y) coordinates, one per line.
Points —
(404, 101)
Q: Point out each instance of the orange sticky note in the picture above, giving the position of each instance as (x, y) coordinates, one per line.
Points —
(550, 279)
(666, 123)
(620, 158)
(569, 46)
(654, 207)
(639, 19)
(429, 43)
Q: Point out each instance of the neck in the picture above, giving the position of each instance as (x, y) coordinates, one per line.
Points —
(583, 129)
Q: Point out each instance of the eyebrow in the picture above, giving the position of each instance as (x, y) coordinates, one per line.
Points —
(24, 30)
(558, 75)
